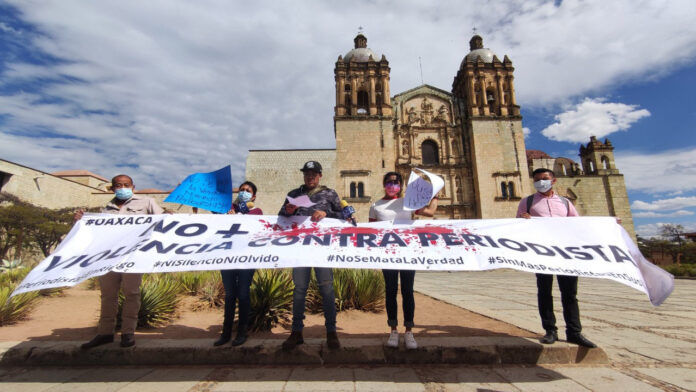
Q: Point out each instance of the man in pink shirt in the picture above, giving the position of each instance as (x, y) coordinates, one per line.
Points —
(547, 203)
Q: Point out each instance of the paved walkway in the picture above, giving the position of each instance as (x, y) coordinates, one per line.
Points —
(656, 343)
(651, 349)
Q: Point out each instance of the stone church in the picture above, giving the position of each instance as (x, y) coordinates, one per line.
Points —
(472, 137)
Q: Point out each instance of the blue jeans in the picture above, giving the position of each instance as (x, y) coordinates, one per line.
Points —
(237, 283)
(300, 277)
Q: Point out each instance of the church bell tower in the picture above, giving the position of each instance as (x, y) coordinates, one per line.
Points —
(484, 96)
(362, 125)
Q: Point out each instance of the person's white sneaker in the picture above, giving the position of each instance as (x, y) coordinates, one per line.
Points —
(393, 340)
(410, 341)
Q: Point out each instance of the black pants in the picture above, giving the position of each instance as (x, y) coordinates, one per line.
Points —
(571, 311)
(237, 283)
(391, 284)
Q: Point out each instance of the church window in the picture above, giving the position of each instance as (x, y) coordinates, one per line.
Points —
(590, 166)
(511, 189)
(563, 168)
(353, 190)
(363, 102)
(430, 153)
(346, 88)
(361, 189)
(605, 162)
(490, 100)
(504, 190)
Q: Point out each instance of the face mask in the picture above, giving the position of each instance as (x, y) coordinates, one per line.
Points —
(124, 193)
(244, 196)
(543, 185)
(392, 189)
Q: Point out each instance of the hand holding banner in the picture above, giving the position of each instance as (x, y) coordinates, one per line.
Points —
(209, 191)
(419, 191)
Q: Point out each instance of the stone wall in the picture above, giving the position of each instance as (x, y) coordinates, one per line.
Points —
(277, 172)
(598, 196)
(43, 189)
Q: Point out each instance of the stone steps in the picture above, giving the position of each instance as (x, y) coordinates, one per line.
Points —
(503, 350)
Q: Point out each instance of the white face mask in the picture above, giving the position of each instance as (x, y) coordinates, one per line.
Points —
(543, 185)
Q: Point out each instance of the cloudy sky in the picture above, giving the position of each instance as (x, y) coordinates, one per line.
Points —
(161, 89)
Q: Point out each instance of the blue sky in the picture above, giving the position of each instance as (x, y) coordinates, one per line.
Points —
(161, 89)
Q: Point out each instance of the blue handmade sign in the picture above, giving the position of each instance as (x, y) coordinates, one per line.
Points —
(209, 191)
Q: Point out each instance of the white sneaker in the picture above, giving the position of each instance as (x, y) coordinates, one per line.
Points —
(393, 340)
(410, 341)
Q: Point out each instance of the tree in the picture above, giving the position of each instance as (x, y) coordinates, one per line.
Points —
(51, 230)
(672, 231)
(25, 226)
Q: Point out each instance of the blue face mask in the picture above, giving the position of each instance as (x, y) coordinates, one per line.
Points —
(244, 196)
(124, 193)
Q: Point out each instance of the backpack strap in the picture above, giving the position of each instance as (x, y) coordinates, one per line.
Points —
(530, 200)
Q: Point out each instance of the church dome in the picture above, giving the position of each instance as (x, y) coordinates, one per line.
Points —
(477, 50)
(361, 53)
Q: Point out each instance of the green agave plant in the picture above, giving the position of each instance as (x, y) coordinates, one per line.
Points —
(271, 298)
(13, 276)
(192, 282)
(212, 291)
(368, 293)
(15, 308)
(159, 298)
(9, 265)
(358, 289)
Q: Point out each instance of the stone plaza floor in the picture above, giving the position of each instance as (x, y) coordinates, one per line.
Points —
(649, 348)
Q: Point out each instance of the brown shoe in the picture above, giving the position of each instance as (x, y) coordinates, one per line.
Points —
(332, 341)
(293, 341)
(98, 341)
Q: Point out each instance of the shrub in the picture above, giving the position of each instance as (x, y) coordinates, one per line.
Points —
(368, 293)
(15, 308)
(212, 291)
(271, 298)
(359, 289)
(10, 265)
(13, 276)
(192, 282)
(159, 298)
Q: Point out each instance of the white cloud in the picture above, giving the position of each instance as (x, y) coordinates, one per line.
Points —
(593, 117)
(653, 229)
(173, 87)
(659, 173)
(652, 214)
(526, 131)
(665, 204)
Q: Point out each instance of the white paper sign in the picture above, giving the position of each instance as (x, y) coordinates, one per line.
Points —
(419, 191)
(301, 201)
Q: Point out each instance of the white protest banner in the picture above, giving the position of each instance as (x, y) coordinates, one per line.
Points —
(419, 192)
(580, 246)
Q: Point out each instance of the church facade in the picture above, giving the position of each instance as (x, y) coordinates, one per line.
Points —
(471, 136)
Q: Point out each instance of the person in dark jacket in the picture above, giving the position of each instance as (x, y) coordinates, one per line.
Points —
(327, 204)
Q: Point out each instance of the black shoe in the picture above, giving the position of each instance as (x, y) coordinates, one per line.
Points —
(224, 338)
(98, 341)
(332, 341)
(293, 340)
(580, 340)
(550, 338)
(127, 340)
(239, 339)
